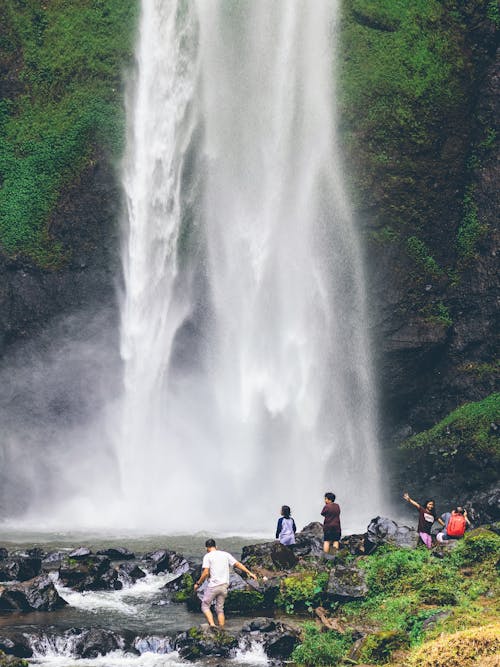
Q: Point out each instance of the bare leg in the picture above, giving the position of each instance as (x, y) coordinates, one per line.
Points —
(210, 618)
(326, 547)
(221, 618)
(335, 545)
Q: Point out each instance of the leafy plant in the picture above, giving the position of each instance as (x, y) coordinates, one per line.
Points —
(302, 591)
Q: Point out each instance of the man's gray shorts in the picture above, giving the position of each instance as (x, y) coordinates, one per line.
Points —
(217, 593)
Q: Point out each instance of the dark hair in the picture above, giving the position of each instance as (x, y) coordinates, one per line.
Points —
(210, 543)
(460, 510)
(330, 496)
(285, 510)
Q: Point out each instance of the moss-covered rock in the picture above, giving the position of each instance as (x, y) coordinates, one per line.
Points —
(378, 647)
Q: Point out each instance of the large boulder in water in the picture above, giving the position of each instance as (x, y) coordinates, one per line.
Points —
(164, 560)
(382, 530)
(117, 553)
(97, 641)
(20, 567)
(278, 639)
(197, 643)
(90, 573)
(38, 594)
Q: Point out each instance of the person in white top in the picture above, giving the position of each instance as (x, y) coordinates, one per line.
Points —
(215, 567)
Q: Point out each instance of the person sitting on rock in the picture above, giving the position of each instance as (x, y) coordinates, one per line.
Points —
(286, 528)
(215, 567)
(331, 523)
(426, 519)
(455, 525)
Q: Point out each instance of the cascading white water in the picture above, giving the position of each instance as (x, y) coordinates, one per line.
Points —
(247, 366)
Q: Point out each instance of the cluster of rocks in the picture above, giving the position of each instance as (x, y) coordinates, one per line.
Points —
(28, 576)
(278, 640)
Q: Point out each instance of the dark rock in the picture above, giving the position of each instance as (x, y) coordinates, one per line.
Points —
(309, 542)
(258, 555)
(20, 567)
(80, 554)
(97, 641)
(347, 582)
(382, 530)
(15, 644)
(277, 638)
(196, 643)
(38, 594)
(357, 545)
(117, 553)
(283, 557)
(53, 559)
(3, 553)
(164, 560)
(129, 573)
(90, 573)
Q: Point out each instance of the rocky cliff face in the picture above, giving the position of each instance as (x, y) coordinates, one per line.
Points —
(85, 222)
(427, 196)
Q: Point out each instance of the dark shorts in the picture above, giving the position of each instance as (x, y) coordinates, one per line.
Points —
(331, 534)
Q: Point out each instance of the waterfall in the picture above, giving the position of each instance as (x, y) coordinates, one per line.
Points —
(247, 370)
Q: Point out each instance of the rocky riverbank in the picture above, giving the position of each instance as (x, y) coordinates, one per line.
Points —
(376, 601)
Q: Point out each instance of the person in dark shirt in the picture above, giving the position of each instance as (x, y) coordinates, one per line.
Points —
(426, 519)
(331, 523)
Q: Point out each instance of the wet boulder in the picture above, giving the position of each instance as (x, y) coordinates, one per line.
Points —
(117, 553)
(197, 643)
(20, 567)
(87, 574)
(382, 530)
(80, 553)
(3, 553)
(16, 644)
(278, 639)
(53, 559)
(128, 573)
(38, 594)
(97, 641)
(164, 560)
(347, 582)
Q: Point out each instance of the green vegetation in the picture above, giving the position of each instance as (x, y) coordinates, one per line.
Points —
(65, 109)
(244, 601)
(419, 252)
(466, 430)
(413, 598)
(321, 648)
(303, 590)
(471, 229)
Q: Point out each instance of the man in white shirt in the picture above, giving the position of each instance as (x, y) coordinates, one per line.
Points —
(215, 566)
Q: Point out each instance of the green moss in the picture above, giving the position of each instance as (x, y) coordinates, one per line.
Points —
(302, 591)
(437, 313)
(244, 601)
(377, 648)
(477, 546)
(186, 589)
(466, 430)
(471, 229)
(70, 108)
(419, 252)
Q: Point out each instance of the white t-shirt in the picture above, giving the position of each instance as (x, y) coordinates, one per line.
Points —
(218, 563)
